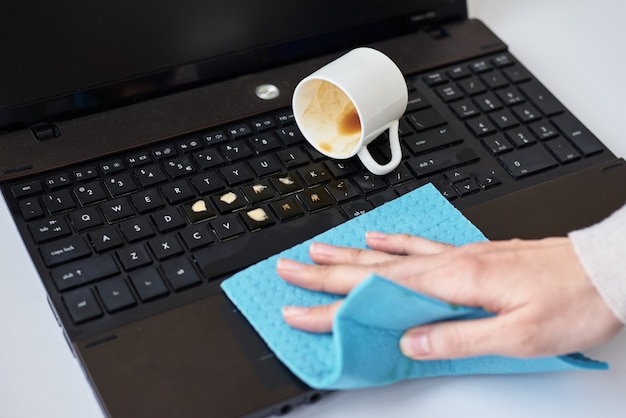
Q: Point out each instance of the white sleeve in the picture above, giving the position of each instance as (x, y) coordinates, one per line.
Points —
(601, 249)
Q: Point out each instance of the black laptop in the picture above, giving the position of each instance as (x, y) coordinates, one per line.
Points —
(137, 137)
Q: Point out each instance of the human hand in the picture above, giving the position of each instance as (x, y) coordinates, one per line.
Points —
(544, 303)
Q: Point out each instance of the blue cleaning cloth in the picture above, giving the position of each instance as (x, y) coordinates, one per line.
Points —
(363, 348)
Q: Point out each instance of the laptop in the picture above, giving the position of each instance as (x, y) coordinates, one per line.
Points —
(125, 135)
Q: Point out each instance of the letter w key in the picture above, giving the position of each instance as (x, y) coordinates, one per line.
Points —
(117, 209)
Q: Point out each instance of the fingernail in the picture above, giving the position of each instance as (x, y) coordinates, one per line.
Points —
(286, 264)
(415, 344)
(375, 235)
(294, 310)
(319, 248)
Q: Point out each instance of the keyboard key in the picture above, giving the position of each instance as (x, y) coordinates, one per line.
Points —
(481, 126)
(31, 208)
(472, 86)
(369, 183)
(342, 190)
(83, 272)
(578, 134)
(563, 150)
(206, 183)
(27, 189)
(59, 201)
(197, 236)
(287, 208)
(111, 167)
(163, 152)
(227, 226)
(105, 239)
(208, 159)
(487, 181)
(290, 135)
(120, 184)
(64, 250)
(58, 181)
(265, 165)
(542, 129)
(115, 294)
(178, 167)
(237, 173)
(49, 229)
(178, 191)
(542, 98)
(237, 150)
(150, 175)
(85, 174)
(316, 198)
(442, 160)
(82, 305)
(431, 140)
(180, 274)
(287, 183)
(148, 284)
(147, 201)
(466, 187)
(165, 246)
(527, 161)
(496, 144)
(257, 218)
(133, 257)
(199, 210)
(86, 218)
(136, 229)
(168, 219)
(315, 174)
(357, 208)
(229, 201)
(426, 119)
(520, 137)
(89, 193)
(116, 210)
(258, 192)
(292, 157)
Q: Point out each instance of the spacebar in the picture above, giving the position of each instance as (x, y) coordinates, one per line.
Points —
(233, 255)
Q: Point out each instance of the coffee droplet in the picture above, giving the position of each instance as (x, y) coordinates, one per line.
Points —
(199, 206)
(349, 122)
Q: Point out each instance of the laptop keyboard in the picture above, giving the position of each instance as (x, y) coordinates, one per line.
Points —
(120, 238)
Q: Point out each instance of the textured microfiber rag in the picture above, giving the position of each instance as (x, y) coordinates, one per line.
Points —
(362, 350)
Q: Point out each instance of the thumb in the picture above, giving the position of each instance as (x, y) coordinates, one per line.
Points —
(455, 339)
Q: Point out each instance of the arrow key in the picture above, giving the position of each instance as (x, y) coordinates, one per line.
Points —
(466, 187)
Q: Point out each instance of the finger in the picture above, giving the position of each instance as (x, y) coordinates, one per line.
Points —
(469, 338)
(331, 254)
(337, 279)
(317, 319)
(404, 244)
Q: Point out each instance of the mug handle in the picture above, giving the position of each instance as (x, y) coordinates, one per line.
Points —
(396, 153)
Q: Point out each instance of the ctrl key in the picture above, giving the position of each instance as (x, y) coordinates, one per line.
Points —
(82, 305)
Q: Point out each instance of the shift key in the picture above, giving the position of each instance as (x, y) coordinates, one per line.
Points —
(64, 250)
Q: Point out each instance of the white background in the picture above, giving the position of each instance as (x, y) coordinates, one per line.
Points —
(576, 49)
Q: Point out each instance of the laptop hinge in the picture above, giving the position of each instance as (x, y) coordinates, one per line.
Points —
(44, 131)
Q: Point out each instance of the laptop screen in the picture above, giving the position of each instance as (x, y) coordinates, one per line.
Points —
(63, 57)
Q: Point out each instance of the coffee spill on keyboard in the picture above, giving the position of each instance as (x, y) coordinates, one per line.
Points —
(199, 206)
(335, 120)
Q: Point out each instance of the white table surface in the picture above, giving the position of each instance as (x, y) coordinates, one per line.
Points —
(576, 49)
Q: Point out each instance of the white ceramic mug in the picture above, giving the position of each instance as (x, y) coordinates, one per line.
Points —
(345, 105)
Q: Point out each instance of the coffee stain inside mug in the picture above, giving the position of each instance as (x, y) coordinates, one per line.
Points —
(336, 120)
